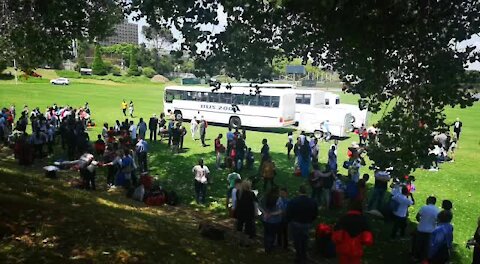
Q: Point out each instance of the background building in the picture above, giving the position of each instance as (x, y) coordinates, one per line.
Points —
(124, 33)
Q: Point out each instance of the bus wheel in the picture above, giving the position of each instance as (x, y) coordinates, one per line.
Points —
(318, 134)
(178, 115)
(235, 122)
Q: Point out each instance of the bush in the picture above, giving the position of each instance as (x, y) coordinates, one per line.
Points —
(148, 72)
(68, 74)
(116, 71)
(133, 68)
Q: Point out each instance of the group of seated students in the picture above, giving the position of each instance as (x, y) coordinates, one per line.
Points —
(442, 149)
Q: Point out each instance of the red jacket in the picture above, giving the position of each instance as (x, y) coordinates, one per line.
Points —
(351, 234)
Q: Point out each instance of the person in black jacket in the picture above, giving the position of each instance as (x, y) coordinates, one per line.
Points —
(457, 127)
(245, 210)
(152, 126)
(301, 212)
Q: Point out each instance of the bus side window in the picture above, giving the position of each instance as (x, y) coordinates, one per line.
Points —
(299, 99)
(275, 101)
(169, 96)
(327, 101)
(213, 97)
(307, 98)
(337, 101)
(178, 95)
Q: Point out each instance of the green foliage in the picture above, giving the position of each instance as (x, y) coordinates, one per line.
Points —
(50, 28)
(68, 73)
(3, 65)
(98, 66)
(160, 38)
(122, 49)
(148, 72)
(133, 67)
(116, 71)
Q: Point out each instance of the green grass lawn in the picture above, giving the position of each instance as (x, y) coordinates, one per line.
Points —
(457, 181)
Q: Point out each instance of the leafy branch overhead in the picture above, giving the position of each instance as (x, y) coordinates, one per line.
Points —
(404, 52)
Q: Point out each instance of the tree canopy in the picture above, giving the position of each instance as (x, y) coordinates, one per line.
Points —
(34, 32)
(401, 53)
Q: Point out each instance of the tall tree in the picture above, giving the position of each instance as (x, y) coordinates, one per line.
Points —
(159, 38)
(98, 67)
(133, 68)
(36, 31)
(401, 53)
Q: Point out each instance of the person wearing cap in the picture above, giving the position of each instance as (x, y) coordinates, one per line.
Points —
(152, 126)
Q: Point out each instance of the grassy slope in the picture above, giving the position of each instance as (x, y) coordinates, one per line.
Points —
(455, 181)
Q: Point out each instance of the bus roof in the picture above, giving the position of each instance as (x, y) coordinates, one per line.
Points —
(235, 90)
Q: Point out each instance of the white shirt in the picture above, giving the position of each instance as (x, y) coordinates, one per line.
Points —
(403, 204)
(428, 218)
(133, 131)
(201, 173)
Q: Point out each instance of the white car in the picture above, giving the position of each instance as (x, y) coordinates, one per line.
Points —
(60, 81)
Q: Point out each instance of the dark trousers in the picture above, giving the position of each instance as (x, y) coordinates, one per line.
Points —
(457, 133)
(200, 191)
(399, 224)
(50, 147)
(266, 181)
(111, 172)
(142, 161)
(170, 137)
(88, 178)
(420, 245)
(376, 201)
(282, 238)
(270, 234)
(39, 150)
(317, 194)
(153, 134)
(181, 142)
(202, 138)
(247, 226)
(299, 232)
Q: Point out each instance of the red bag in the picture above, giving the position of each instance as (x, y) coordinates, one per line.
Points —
(323, 230)
(156, 200)
(297, 172)
(147, 181)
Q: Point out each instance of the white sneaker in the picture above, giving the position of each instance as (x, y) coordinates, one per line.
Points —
(433, 169)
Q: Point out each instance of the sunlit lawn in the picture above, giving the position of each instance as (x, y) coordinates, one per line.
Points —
(456, 181)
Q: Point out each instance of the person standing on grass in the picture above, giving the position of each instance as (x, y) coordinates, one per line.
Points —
(203, 130)
(475, 242)
(171, 127)
(272, 218)
(265, 151)
(219, 150)
(230, 138)
(133, 131)
(105, 132)
(131, 108)
(194, 127)
(240, 148)
(141, 149)
(245, 209)
(447, 207)
(441, 240)
(457, 128)
(201, 173)
(289, 144)
(301, 212)
(350, 234)
(400, 213)
(379, 189)
(141, 129)
(268, 172)
(427, 221)
(152, 126)
(124, 107)
(232, 178)
(332, 159)
(176, 135)
(283, 230)
(183, 133)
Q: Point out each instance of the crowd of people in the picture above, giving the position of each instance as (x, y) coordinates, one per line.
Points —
(123, 149)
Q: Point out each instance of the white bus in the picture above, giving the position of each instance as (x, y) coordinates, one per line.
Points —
(236, 106)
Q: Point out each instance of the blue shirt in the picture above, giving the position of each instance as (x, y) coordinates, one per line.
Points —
(428, 218)
(230, 136)
(441, 239)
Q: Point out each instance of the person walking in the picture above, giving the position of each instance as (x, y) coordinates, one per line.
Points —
(194, 127)
(350, 234)
(152, 126)
(142, 129)
(427, 221)
(289, 144)
(232, 178)
(141, 149)
(201, 173)
(124, 107)
(301, 212)
(475, 242)
(131, 108)
(457, 128)
(400, 213)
